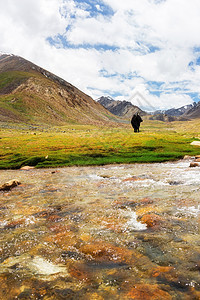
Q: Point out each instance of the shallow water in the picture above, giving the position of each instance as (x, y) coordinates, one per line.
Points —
(111, 232)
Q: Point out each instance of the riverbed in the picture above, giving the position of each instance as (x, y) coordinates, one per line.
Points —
(108, 232)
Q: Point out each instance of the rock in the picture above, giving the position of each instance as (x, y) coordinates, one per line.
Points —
(194, 164)
(14, 224)
(27, 168)
(105, 252)
(41, 266)
(77, 271)
(54, 218)
(186, 157)
(173, 182)
(151, 220)
(197, 160)
(148, 292)
(133, 178)
(146, 201)
(9, 185)
(197, 156)
(158, 271)
(195, 143)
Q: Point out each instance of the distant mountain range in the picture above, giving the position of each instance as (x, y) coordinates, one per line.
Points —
(30, 94)
(176, 112)
(120, 108)
(126, 109)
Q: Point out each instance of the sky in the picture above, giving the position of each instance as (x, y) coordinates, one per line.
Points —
(143, 51)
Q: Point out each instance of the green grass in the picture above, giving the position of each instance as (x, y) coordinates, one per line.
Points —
(12, 79)
(90, 145)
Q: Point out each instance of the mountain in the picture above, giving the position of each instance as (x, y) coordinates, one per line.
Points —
(30, 94)
(193, 112)
(120, 108)
(176, 112)
(183, 113)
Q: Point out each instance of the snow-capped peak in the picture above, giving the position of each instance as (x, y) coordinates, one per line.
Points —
(6, 53)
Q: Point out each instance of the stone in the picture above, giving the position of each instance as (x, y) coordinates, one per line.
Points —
(197, 160)
(197, 156)
(77, 271)
(14, 224)
(186, 157)
(9, 185)
(54, 218)
(105, 252)
(146, 201)
(27, 168)
(133, 178)
(161, 270)
(194, 164)
(151, 220)
(41, 266)
(195, 143)
(148, 292)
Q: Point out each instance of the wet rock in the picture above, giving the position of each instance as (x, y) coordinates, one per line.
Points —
(72, 255)
(27, 168)
(94, 296)
(187, 157)
(146, 201)
(14, 224)
(105, 252)
(133, 178)
(25, 294)
(148, 292)
(9, 185)
(151, 220)
(158, 271)
(54, 218)
(194, 164)
(174, 182)
(125, 204)
(77, 271)
(64, 239)
(197, 160)
(41, 266)
(65, 294)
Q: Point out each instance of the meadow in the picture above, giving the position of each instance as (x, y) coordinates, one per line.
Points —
(40, 146)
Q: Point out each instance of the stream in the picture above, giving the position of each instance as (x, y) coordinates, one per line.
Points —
(108, 232)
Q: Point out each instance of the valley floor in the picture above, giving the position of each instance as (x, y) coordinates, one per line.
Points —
(45, 146)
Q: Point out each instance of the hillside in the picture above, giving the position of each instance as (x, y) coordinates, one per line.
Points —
(120, 108)
(30, 94)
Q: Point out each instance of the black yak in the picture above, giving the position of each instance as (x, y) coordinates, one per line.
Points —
(135, 122)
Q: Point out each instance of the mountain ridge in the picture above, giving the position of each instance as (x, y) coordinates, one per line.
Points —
(29, 93)
(119, 108)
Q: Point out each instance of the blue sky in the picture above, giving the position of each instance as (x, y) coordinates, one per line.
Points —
(111, 47)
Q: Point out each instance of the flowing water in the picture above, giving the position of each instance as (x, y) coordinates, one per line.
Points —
(111, 232)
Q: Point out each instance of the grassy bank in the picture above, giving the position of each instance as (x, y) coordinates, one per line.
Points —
(89, 145)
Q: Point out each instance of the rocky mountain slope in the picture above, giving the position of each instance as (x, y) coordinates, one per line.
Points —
(120, 108)
(194, 112)
(30, 94)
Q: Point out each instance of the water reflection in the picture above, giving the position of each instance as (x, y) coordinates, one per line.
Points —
(112, 232)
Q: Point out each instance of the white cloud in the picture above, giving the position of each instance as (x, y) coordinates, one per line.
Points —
(147, 40)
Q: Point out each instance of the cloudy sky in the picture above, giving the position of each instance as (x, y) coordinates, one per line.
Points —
(145, 51)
